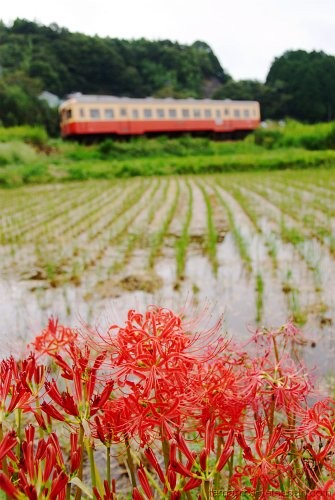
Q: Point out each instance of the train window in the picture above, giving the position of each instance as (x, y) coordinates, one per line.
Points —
(135, 113)
(246, 113)
(95, 113)
(226, 111)
(109, 113)
(172, 113)
(160, 113)
(82, 112)
(68, 114)
(254, 112)
(185, 113)
(123, 111)
(196, 113)
(237, 113)
(208, 113)
(218, 113)
(147, 113)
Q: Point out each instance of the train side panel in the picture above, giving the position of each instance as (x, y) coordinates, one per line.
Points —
(139, 116)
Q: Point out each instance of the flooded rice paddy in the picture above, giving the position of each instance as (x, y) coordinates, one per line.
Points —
(258, 248)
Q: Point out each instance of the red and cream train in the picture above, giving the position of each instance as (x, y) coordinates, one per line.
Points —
(95, 115)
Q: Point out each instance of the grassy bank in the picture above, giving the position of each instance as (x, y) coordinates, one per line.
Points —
(28, 156)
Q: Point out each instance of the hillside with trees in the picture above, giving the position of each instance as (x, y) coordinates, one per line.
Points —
(36, 58)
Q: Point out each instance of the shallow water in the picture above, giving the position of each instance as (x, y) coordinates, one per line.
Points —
(299, 280)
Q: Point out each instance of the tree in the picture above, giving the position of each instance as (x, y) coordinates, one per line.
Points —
(307, 80)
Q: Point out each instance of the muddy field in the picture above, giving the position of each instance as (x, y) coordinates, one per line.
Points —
(259, 248)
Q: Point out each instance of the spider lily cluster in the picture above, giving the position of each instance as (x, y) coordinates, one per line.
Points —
(190, 414)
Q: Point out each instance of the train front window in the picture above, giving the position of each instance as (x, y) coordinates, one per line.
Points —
(68, 114)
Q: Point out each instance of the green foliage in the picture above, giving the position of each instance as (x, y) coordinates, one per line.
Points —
(16, 152)
(292, 134)
(22, 148)
(64, 61)
(307, 79)
(32, 135)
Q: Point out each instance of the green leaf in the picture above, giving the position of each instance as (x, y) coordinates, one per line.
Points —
(78, 482)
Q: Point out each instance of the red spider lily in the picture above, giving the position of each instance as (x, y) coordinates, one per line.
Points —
(153, 359)
(197, 467)
(75, 453)
(151, 457)
(223, 393)
(137, 495)
(40, 469)
(13, 392)
(85, 401)
(317, 461)
(268, 464)
(72, 405)
(226, 452)
(109, 494)
(319, 420)
(144, 482)
(153, 346)
(7, 443)
(53, 338)
(113, 423)
(29, 373)
(47, 451)
(147, 417)
(282, 384)
(8, 487)
(287, 337)
(327, 490)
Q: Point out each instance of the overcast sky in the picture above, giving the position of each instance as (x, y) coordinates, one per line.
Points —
(246, 35)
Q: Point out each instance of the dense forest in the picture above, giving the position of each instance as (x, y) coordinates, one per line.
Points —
(36, 58)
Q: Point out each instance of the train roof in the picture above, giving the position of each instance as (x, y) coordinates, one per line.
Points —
(94, 99)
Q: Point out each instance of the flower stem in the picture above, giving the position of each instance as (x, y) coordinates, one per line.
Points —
(80, 470)
(92, 465)
(108, 466)
(130, 464)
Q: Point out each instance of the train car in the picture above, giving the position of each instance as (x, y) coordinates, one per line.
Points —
(97, 115)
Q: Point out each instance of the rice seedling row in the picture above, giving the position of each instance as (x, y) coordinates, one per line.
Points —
(183, 241)
(158, 237)
(239, 238)
(135, 237)
(210, 245)
(85, 235)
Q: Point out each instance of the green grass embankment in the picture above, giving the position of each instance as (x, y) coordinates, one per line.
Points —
(27, 156)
